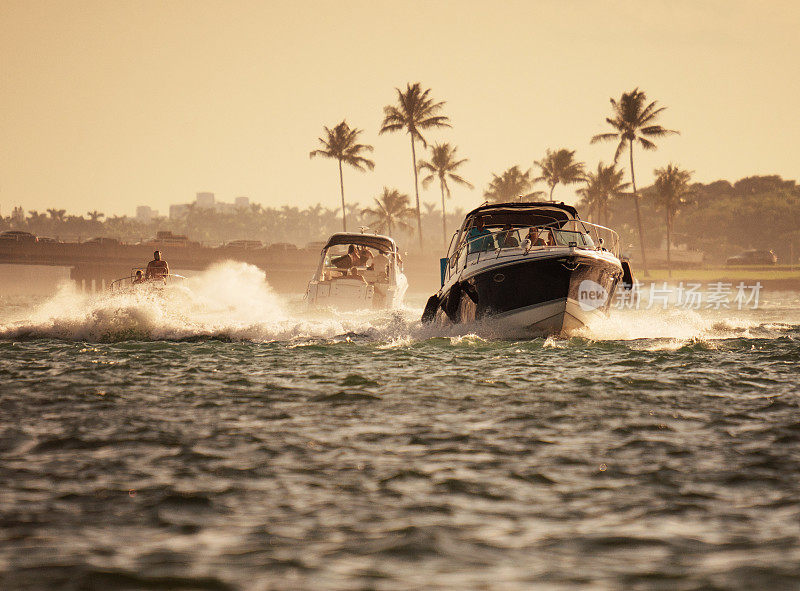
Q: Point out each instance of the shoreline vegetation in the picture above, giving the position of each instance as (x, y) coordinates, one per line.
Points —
(717, 219)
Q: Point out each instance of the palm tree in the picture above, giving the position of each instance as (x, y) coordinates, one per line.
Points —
(392, 209)
(509, 186)
(415, 111)
(36, 218)
(341, 143)
(559, 167)
(672, 187)
(94, 216)
(443, 165)
(57, 215)
(634, 122)
(430, 208)
(601, 187)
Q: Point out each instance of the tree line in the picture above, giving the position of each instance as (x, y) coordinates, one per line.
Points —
(717, 218)
(270, 225)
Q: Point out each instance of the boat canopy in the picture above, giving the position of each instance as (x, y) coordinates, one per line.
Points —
(383, 243)
(523, 214)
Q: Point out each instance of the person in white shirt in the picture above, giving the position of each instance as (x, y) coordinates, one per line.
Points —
(380, 262)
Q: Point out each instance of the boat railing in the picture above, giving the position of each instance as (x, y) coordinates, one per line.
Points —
(132, 280)
(499, 243)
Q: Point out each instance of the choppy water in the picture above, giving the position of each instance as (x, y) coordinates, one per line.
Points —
(219, 438)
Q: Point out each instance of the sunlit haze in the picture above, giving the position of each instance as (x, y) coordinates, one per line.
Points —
(110, 105)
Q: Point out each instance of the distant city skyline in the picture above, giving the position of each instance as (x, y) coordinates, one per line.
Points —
(110, 106)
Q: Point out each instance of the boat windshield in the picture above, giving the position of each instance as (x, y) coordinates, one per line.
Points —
(509, 240)
(356, 261)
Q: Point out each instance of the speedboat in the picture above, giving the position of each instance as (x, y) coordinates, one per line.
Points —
(358, 271)
(528, 269)
(138, 280)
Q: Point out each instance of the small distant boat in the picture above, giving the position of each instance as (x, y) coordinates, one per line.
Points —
(358, 271)
(528, 269)
(137, 280)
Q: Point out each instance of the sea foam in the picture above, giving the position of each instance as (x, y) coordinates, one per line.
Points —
(233, 301)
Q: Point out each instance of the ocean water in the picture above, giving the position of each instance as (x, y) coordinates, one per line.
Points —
(218, 436)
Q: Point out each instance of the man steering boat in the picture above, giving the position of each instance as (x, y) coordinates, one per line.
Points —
(158, 268)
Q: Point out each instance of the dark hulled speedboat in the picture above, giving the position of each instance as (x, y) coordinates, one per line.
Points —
(528, 269)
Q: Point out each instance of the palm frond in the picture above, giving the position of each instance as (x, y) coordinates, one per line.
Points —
(646, 144)
(657, 131)
(602, 137)
(459, 180)
(620, 148)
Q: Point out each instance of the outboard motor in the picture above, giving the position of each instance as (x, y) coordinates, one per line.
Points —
(430, 308)
(627, 276)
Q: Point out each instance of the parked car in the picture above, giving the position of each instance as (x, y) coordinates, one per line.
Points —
(18, 236)
(103, 241)
(753, 257)
(49, 240)
(244, 244)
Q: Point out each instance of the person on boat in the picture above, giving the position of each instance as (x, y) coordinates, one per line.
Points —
(478, 237)
(536, 237)
(157, 268)
(380, 262)
(508, 238)
(347, 260)
(364, 257)
(139, 277)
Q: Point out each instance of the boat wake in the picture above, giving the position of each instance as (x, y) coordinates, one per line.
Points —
(230, 301)
(233, 301)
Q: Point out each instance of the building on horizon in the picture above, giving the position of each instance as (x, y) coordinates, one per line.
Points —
(145, 213)
(207, 200)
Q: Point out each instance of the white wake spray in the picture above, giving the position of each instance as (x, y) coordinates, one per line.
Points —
(230, 300)
(233, 301)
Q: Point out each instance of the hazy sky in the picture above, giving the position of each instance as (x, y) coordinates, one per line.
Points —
(113, 104)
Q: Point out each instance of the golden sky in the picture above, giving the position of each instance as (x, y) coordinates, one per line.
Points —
(111, 104)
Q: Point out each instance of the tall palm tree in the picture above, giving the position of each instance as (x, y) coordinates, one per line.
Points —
(443, 165)
(511, 185)
(391, 209)
(341, 143)
(671, 189)
(602, 186)
(95, 215)
(415, 111)
(559, 167)
(634, 121)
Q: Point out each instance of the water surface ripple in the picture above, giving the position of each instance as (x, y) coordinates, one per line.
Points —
(392, 458)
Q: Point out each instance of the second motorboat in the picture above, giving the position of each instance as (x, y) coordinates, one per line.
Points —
(358, 271)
